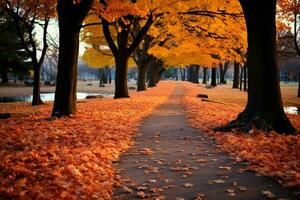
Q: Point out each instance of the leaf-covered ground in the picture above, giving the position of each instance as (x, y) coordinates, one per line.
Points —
(271, 154)
(69, 158)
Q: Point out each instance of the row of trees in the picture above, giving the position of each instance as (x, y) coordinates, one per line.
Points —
(156, 34)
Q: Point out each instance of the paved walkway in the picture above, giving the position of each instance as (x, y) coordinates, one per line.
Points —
(172, 160)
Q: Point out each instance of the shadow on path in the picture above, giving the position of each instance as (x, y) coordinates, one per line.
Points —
(172, 160)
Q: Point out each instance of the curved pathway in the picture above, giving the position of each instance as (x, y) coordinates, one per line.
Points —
(172, 160)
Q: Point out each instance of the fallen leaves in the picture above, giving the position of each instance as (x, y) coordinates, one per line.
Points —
(268, 194)
(216, 181)
(187, 185)
(71, 157)
(269, 154)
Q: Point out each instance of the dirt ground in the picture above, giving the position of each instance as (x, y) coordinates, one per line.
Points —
(222, 93)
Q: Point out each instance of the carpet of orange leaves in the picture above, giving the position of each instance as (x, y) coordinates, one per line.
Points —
(69, 158)
(271, 154)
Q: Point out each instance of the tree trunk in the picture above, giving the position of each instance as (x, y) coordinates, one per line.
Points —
(65, 94)
(109, 75)
(241, 78)
(196, 74)
(221, 73)
(213, 77)
(298, 85)
(245, 77)
(176, 74)
(4, 76)
(70, 18)
(141, 82)
(104, 72)
(36, 97)
(100, 76)
(182, 74)
(188, 72)
(236, 75)
(204, 80)
(264, 107)
(223, 70)
(153, 73)
(121, 89)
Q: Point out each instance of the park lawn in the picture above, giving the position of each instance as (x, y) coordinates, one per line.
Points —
(271, 154)
(70, 158)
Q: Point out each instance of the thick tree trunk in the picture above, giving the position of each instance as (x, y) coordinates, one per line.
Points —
(4, 75)
(236, 75)
(213, 77)
(65, 94)
(196, 74)
(121, 89)
(141, 82)
(204, 80)
(264, 107)
(36, 97)
(70, 18)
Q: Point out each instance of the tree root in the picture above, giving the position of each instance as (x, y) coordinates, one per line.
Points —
(245, 123)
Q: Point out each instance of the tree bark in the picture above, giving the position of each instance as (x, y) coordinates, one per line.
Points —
(245, 78)
(241, 78)
(213, 77)
(121, 89)
(182, 74)
(264, 108)
(36, 97)
(189, 73)
(196, 73)
(223, 70)
(204, 80)
(236, 75)
(100, 76)
(298, 85)
(104, 72)
(70, 18)
(153, 73)
(141, 82)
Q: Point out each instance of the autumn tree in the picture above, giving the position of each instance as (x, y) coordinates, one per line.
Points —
(264, 107)
(288, 17)
(70, 18)
(26, 16)
(123, 50)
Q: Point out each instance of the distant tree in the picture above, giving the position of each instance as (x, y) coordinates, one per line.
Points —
(29, 15)
(13, 57)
